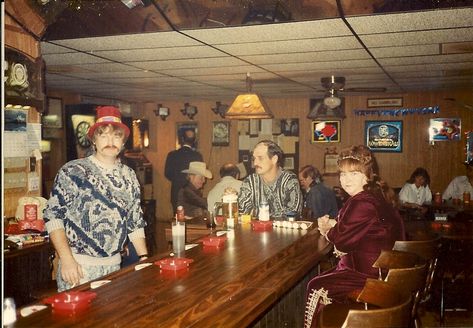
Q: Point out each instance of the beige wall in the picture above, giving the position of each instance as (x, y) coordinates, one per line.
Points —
(443, 160)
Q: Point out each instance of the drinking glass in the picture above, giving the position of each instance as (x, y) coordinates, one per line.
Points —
(178, 237)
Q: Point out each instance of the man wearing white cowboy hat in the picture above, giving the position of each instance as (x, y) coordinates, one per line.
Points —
(94, 206)
(191, 196)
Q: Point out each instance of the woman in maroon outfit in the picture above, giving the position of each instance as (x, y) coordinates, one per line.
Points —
(367, 224)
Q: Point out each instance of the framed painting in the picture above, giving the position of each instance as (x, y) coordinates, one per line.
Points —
(383, 136)
(220, 133)
(445, 129)
(182, 128)
(325, 131)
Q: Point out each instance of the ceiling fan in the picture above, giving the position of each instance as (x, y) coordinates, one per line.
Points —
(336, 84)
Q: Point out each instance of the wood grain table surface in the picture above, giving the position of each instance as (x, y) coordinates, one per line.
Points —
(227, 287)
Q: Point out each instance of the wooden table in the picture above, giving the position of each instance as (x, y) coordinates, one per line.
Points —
(235, 286)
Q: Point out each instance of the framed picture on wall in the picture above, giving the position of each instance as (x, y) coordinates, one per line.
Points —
(326, 131)
(181, 130)
(384, 136)
(53, 119)
(221, 133)
(445, 129)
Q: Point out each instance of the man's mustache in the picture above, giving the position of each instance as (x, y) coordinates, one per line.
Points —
(113, 147)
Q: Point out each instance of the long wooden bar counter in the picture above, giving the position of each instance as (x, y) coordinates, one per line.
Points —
(229, 287)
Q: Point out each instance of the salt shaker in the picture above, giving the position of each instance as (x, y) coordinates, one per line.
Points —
(9, 311)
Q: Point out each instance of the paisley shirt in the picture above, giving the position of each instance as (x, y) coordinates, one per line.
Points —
(98, 207)
(283, 195)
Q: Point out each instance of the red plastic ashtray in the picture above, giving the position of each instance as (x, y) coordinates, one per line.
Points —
(174, 264)
(258, 225)
(70, 301)
(214, 241)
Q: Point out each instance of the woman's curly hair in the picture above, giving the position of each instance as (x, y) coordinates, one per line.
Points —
(359, 158)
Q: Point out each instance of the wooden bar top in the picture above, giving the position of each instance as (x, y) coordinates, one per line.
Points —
(228, 287)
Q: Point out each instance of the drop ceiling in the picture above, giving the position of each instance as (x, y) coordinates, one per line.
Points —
(401, 52)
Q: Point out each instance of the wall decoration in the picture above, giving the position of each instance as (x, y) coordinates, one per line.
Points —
(331, 161)
(384, 102)
(289, 162)
(221, 133)
(325, 131)
(384, 136)
(318, 110)
(181, 128)
(397, 112)
(469, 147)
(445, 129)
(284, 132)
(53, 119)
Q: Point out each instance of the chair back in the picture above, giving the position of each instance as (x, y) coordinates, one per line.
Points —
(391, 259)
(379, 293)
(426, 249)
(410, 282)
(395, 316)
(407, 280)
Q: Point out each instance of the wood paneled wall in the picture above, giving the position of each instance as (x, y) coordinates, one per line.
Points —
(443, 160)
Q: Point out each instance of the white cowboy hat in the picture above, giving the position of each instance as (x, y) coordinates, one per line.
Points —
(198, 168)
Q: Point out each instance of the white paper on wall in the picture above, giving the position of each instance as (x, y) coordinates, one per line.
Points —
(15, 144)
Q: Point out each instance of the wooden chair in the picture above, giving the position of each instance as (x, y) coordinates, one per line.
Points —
(395, 316)
(377, 295)
(427, 250)
(410, 282)
(391, 259)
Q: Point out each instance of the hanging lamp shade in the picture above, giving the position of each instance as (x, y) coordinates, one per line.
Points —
(248, 105)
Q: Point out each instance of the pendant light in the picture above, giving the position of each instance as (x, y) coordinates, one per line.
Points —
(248, 105)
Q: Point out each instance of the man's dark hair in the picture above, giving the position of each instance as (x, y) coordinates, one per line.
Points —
(188, 138)
(229, 170)
(273, 150)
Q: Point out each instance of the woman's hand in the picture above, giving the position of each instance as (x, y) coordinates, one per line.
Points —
(324, 224)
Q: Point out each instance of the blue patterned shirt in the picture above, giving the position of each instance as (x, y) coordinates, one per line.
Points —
(96, 206)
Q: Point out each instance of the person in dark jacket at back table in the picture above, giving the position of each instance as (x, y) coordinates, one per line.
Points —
(177, 161)
(319, 200)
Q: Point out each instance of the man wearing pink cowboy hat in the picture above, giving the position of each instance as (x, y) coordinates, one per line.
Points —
(94, 206)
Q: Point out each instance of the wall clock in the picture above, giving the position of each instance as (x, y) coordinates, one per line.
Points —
(221, 133)
(81, 134)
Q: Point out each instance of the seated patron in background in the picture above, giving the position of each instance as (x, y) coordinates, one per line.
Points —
(460, 184)
(190, 196)
(270, 184)
(94, 206)
(366, 224)
(229, 174)
(319, 200)
(416, 192)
